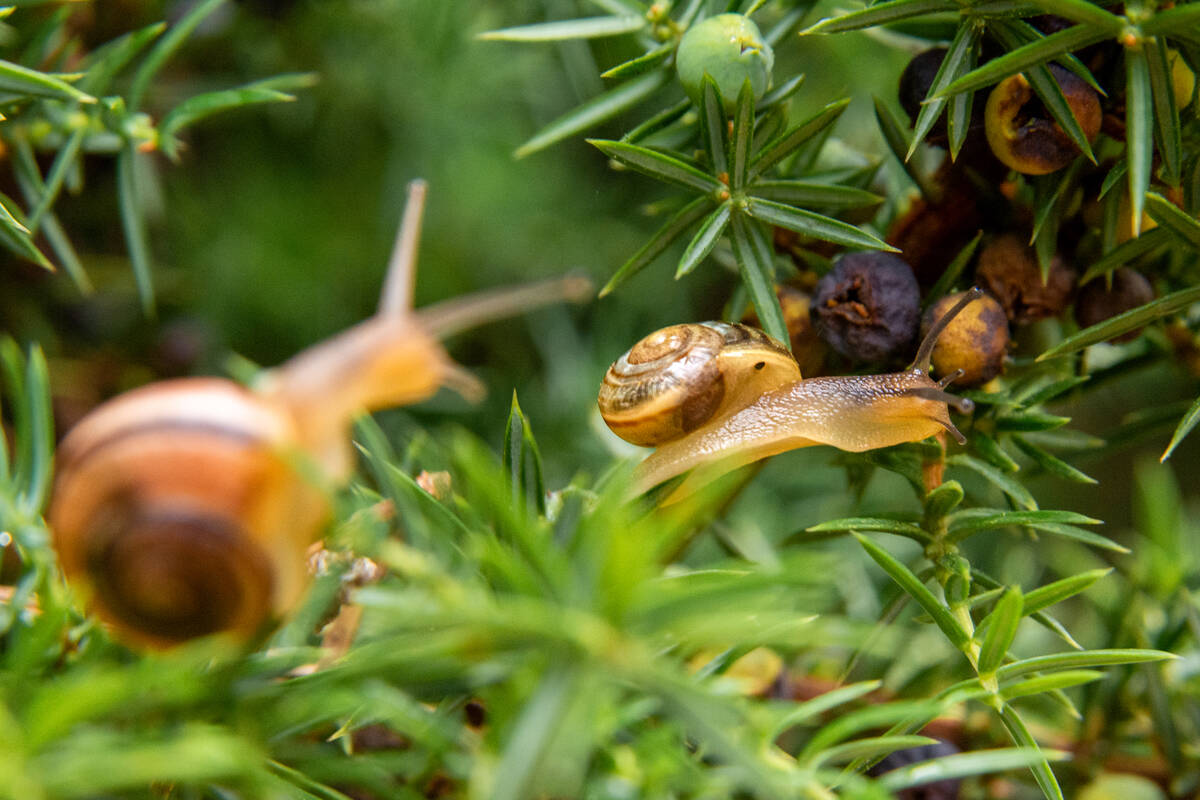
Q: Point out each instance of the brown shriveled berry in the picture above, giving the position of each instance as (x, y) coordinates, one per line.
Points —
(1022, 133)
(868, 306)
(975, 341)
(1009, 270)
(1097, 301)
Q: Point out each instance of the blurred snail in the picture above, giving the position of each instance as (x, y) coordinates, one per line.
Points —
(718, 396)
(185, 507)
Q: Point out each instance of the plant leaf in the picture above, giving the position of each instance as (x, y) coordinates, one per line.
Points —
(106, 61)
(593, 112)
(870, 747)
(1127, 252)
(913, 586)
(961, 765)
(15, 237)
(802, 712)
(17, 79)
(783, 146)
(852, 524)
(1024, 739)
(658, 165)
(560, 30)
(620, 7)
(1083, 12)
(705, 239)
(1024, 56)
(658, 122)
(954, 64)
(758, 275)
(712, 115)
(54, 179)
(534, 734)
(1166, 115)
(895, 135)
(1183, 429)
(809, 194)
(815, 225)
(1049, 212)
(200, 106)
(879, 14)
(165, 47)
(1040, 617)
(1077, 660)
(663, 238)
(134, 226)
(1139, 141)
(1123, 323)
(965, 523)
(1052, 593)
(1183, 17)
(523, 461)
(781, 92)
(742, 137)
(1002, 626)
(1052, 464)
(1030, 421)
(846, 725)
(642, 64)
(945, 281)
(1114, 176)
(1054, 682)
(1037, 396)
(1015, 490)
(1174, 219)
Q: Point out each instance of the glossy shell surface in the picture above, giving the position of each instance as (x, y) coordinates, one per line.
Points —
(678, 378)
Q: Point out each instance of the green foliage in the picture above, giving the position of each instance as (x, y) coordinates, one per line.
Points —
(487, 617)
(79, 113)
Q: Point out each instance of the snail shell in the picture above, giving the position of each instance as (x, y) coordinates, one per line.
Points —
(680, 377)
(179, 505)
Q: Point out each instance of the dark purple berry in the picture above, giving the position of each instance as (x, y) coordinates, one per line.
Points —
(868, 306)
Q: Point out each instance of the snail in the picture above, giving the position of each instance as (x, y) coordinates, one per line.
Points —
(714, 396)
(185, 507)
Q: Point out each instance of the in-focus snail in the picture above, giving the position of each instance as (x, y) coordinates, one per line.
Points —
(714, 396)
(185, 507)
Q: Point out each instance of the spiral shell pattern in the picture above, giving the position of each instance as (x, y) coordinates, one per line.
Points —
(177, 509)
(676, 379)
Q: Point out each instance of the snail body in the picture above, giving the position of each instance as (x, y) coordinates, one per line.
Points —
(778, 411)
(185, 507)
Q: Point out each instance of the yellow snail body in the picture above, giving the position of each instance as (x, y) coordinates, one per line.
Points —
(763, 406)
(185, 507)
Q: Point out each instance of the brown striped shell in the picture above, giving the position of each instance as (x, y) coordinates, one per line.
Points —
(178, 508)
(678, 378)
